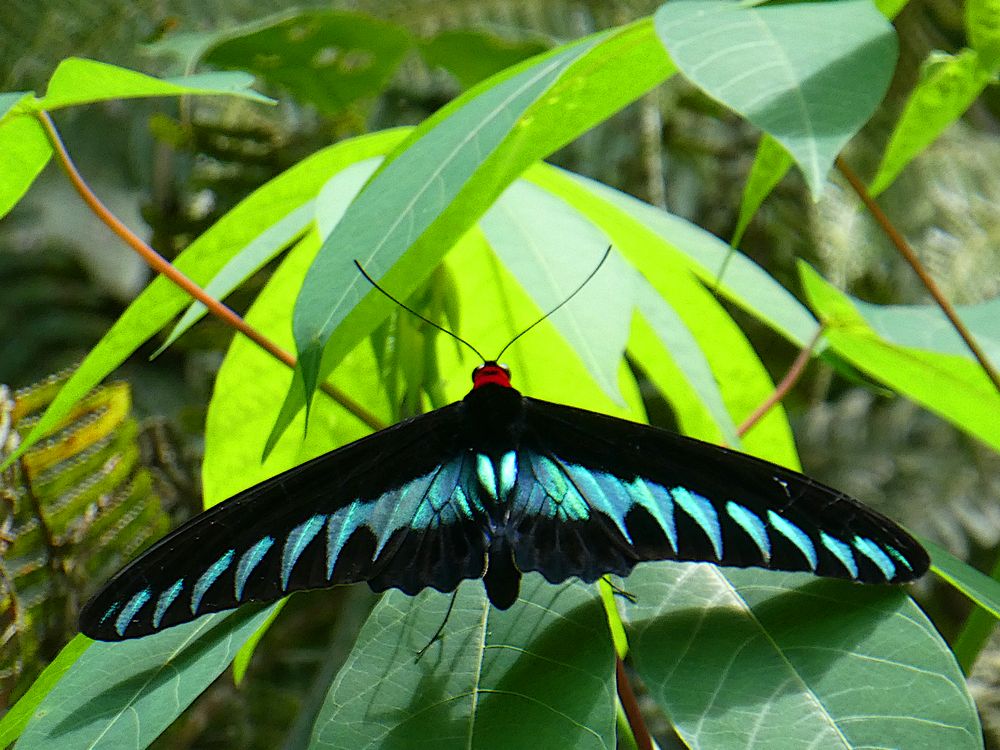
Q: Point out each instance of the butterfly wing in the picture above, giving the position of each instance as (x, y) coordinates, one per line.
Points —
(597, 495)
(396, 509)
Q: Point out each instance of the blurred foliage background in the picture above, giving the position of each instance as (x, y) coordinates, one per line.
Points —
(168, 170)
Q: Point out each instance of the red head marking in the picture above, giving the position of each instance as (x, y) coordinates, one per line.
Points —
(491, 372)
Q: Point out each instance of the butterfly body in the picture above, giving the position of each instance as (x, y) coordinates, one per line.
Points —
(489, 487)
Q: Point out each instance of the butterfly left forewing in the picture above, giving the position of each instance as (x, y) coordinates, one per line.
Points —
(614, 493)
(384, 509)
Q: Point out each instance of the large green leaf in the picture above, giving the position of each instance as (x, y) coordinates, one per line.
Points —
(752, 659)
(121, 696)
(25, 150)
(493, 133)
(810, 74)
(80, 81)
(549, 247)
(250, 259)
(948, 86)
(539, 675)
(953, 386)
(744, 283)
(927, 327)
(327, 58)
(668, 250)
(202, 260)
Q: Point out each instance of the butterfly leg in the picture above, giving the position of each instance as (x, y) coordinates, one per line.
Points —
(619, 591)
(438, 633)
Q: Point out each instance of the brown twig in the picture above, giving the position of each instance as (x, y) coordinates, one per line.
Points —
(162, 266)
(786, 384)
(631, 707)
(906, 251)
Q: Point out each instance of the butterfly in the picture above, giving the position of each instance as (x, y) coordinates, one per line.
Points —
(490, 487)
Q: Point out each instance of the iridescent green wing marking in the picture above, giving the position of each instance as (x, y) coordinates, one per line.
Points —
(398, 509)
(597, 495)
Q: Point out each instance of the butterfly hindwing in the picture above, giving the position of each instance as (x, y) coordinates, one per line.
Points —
(393, 509)
(598, 495)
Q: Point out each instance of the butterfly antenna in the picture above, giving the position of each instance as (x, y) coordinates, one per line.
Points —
(554, 309)
(414, 312)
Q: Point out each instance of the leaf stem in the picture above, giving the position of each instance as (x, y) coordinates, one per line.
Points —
(787, 383)
(906, 251)
(162, 266)
(631, 706)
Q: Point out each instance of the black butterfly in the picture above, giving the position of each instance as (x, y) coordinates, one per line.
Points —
(489, 487)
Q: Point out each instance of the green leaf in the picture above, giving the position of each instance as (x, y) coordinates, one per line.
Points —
(9, 100)
(16, 719)
(770, 164)
(25, 150)
(123, 695)
(982, 589)
(80, 81)
(327, 58)
(247, 261)
(744, 283)
(493, 132)
(758, 659)
(950, 385)
(201, 261)
(549, 247)
(810, 74)
(948, 86)
(539, 675)
(927, 327)
(665, 249)
(669, 345)
(472, 55)
(890, 8)
(241, 662)
(982, 25)
(979, 587)
(250, 383)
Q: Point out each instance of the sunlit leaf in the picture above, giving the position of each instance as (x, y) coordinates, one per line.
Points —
(80, 81)
(25, 150)
(810, 74)
(948, 86)
(495, 131)
(950, 385)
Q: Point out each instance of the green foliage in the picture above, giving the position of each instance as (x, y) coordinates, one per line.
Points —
(791, 661)
(550, 664)
(462, 196)
(915, 353)
(808, 74)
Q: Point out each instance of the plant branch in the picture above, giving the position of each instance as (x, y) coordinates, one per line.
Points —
(787, 383)
(162, 266)
(906, 251)
(631, 707)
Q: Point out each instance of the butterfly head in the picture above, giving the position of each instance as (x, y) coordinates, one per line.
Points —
(491, 372)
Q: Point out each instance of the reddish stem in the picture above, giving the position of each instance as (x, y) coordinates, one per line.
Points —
(906, 251)
(162, 266)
